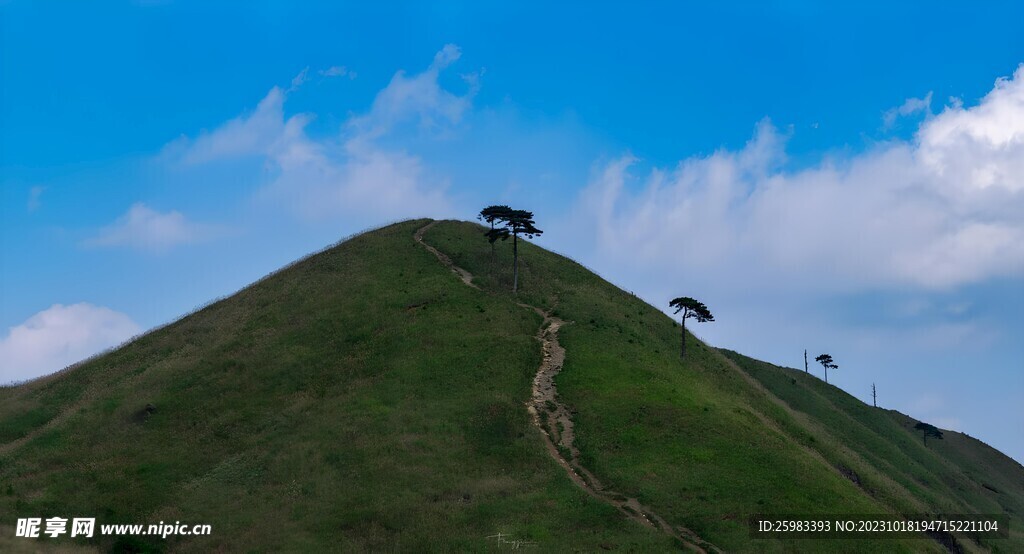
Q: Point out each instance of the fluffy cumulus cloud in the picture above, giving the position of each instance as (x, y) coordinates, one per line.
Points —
(981, 148)
(938, 211)
(59, 336)
(354, 172)
(144, 228)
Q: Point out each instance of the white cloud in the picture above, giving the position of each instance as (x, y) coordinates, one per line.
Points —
(58, 336)
(419, 99)
(446, 56)
(939, 211)
(258, 133)
(908, 108)
(980, 147)
(351, 173)
(146, 229)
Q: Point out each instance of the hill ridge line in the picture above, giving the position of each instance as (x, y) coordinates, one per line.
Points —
(554, 420)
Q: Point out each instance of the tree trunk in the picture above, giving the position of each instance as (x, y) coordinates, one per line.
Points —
(805, 362)
(826, 374)
(515, 262)
(682, 342)
(492, 246)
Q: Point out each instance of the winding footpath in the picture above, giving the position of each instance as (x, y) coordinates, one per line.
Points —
(554, 420)
(463, 275)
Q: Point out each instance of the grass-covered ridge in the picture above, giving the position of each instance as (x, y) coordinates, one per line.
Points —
(955, 475)
(365, 399)
(361, 400)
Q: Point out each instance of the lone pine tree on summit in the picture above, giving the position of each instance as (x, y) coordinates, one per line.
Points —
(826, 362)
(690, 308)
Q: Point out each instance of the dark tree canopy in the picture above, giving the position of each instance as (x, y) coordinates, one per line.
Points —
(826, 362)
(520, 222)
(493, 235)
(493, 214)
(928, 430)
(692, 308)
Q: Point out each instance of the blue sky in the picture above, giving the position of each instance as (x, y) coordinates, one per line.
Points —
(841, 179)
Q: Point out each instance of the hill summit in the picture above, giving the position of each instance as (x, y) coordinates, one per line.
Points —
(391, 394)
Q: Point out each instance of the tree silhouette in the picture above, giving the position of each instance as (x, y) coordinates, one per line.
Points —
(826, 362)
(928, 431)
(491, 215)
(517, 222)
(690, 308)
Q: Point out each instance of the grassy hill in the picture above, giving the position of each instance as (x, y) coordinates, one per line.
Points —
(890, 460)
(365, 399)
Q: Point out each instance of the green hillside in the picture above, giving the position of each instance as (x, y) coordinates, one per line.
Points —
(889, 459)
(365, 399)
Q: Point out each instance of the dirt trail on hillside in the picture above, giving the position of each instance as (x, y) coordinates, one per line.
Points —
(554, 420)
(465, 276)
